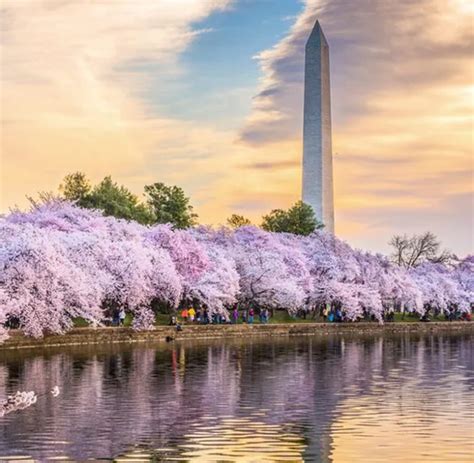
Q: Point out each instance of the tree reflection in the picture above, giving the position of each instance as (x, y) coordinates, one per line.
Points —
(180, 399)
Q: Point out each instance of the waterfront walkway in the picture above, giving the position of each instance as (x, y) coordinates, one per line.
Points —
(160, 333)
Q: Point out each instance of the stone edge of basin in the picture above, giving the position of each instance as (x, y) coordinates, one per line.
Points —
(107, 335)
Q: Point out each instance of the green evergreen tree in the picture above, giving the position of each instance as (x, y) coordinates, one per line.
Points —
(170, 205)
(299, 219)
(109, 197)
(76, 187)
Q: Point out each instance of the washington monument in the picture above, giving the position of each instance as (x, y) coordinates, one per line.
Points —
(317, 145)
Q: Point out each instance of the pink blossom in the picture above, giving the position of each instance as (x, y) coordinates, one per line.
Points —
(18, 401)
(59, 262)
(218, 286)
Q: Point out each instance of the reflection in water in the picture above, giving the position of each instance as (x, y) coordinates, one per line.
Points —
(330, 400)
(417, 411)
(230, 439)
(242, 439)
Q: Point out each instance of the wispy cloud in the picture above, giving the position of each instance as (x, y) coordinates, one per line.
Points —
(402, 108)
(270, 165)
(71, 75)
(75, 76)
(375, 46)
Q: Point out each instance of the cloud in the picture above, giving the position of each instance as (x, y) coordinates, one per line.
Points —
(70, 79)
(374, 46)
(450, 214)
(271, 165)
(75, 76)
(401, 85)
(72, 99)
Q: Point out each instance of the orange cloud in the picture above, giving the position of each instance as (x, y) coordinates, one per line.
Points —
(402, 101)
(68, 103)
(402, 113)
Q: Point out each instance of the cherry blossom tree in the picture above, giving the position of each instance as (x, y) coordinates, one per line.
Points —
(59, 266)
(268, 276)
(387, 285)
(188, 255)
(217, 288)
(441, 290)
(43, 289)
(337, 276)
(59, 262)
(464, 274)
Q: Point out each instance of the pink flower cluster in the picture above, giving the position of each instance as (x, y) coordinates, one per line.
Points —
(18, 401)
(59, 262)
(23, 399)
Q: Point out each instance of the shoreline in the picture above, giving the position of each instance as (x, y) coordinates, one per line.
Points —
(114, 335)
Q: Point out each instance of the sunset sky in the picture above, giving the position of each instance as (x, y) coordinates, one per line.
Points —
(207, 94)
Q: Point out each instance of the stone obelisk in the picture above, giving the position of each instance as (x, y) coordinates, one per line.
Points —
(317, 145)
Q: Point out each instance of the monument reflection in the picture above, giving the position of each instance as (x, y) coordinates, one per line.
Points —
(286, 400)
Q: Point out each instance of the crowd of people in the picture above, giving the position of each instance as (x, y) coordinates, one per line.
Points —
(190, 315)
(327, 314)
(200, 316)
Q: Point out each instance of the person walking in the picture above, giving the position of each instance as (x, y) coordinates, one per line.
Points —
(331, 316)
(122, 317)
(115, 318)
(266, 316)
(191, 314)
(235, 315)
(184, 315)
(326, 312)
(251, 315)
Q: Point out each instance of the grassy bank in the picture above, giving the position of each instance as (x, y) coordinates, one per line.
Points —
(279, 317)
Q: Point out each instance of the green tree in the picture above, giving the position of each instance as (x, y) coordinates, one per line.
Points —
(170, 205)
(299, 219)
(118, 201)
(76, 187)
(237, 221)
(109, 197)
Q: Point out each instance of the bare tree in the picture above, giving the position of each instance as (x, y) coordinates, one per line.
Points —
(414, 250)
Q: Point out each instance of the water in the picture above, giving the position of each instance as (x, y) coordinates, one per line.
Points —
(404, 398)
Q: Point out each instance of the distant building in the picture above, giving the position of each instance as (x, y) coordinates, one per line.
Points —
(317, 144)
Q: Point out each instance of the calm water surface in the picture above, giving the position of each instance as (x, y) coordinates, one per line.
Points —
(406, 398)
